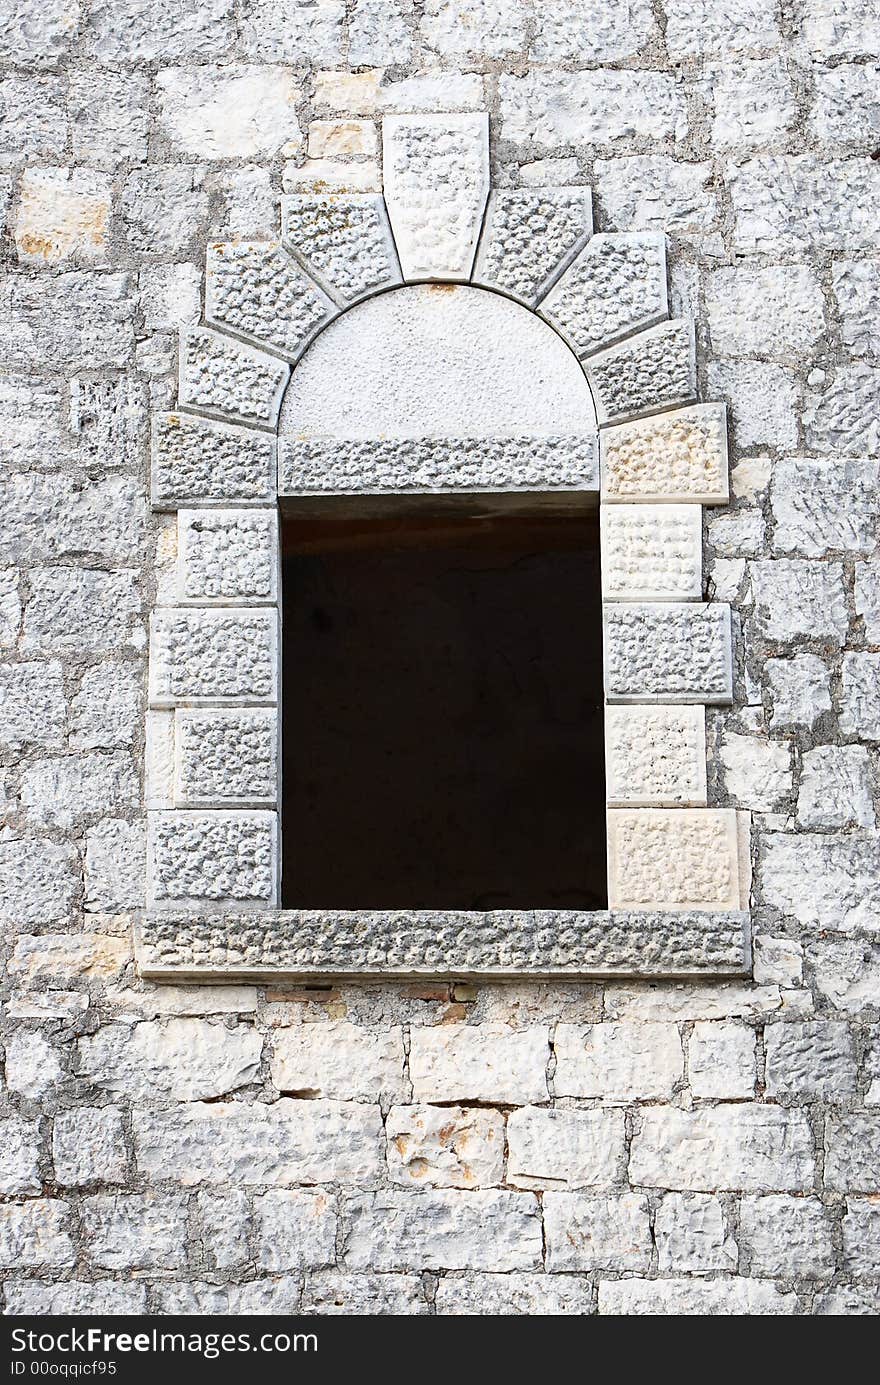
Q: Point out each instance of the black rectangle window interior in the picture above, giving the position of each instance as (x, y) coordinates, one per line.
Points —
(442, 727)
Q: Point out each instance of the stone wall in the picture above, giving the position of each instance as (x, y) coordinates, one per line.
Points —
(626, 1147)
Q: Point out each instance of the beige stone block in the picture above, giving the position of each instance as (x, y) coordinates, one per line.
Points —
(673, 858)
(63, 216)
(676, 456)
(652, 552)
(334, 139)
(655, 755)
(445, 1146)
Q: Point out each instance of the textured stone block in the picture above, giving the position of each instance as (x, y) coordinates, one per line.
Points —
(753, 1148)
(195, 461)
(339, 1060)
(487, 1062)
(800, 691)
(287, 1142)
(135, 1230)
(843, 875)
(652, 552)
(584, 109)
(691, 1235)
(59, 792)
(37, 887)
(836, 787)
(514, 1295)
(445, 1147)
(258, 291)
(115, 866)
(799, 598)
(105, 713)
(311, 466)
(647, 372)
(35, 1233)
(227, 557)
(63, 216)
(824, 504)
(622, 1061)
(294, 1229)
(655, 755)
(861, 1236)
(330, 1293)
(222, 375)
(19, 1157)
(88, 1146)
(673, 858)
(32, 705)
(860, 701)
(228, 758)
(75, 1298)
(180, 1058)
(786, 1236)
(213, 656)
(814, 1061)
(597, 1233)
(852, 1152)
(529, 237)
(564, 1149)
(436, 171)
(280, 1294)
(343, 240)
(81, 611)
(212, 856)
(713, 1298)
(677, 456)
(721, 1060)
(440, 1229)
(616, 286)
(668, 652)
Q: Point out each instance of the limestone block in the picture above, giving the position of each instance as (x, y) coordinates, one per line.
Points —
(749, 1147)
(583, 109)
(655, 192)
(294, 1229)
(138, 34)
(673, 858)
(695, 28)
(224, 1226)
(10, 609)
(785, 203)
(704, 1298)
(486, 1062)
(787, 1236)
(37, 885)
(255, 289)
(63, 217)
(841, 28)
(604, 34)
(75, 1298)
(721, 1060)
(115, 866)
(441, 1229)
(509, 1295)
(836, 787)
(655, 755)
(38, 33)
(860, 701)
(824, 504)
(756, 772)
(35, 1233)
(106, 711)
(88, 1146)
(227, 557)
(652, 552)
(764, 402)
(564, 1149)
(159, 760)
(796, 598)
(331, 1293)
(616, 286)
(478, 28)
(339, 1060)
(530, 237)
(857, 292)
(847, 1300)
(278, 1294)
(676, 456)
(343, 240)
(181, 1058)
(222, 375)
(800, 691)
(754, 102)
(59, 792)
(199, 856)
(32, 706)
(846, 972)
(342, 139)
(445, 1147)
(868, 599)
(777, 311)
(135, 1230)
(436, 183)
(84, 318)
(228, 111)
(295, 33)
(650, 371)
(852, 1152)
(331, 176)
(618, 1062)
(691, 1235)
(310, 466)
(378, 34)
(19, 1157)
(213, 656)
(778, 959)
(597, 1233)
(840, 869)
(861, 1236)
(65, 955)
(814, 1061)
(228, 758)
(667, 652)
(32, 1065)
(209, 463)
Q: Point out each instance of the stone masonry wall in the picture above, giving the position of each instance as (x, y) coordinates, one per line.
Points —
(621, 1148)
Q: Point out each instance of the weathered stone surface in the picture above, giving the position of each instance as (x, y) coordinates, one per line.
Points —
(213, 656)
(704, 1298)
(63, 217)
(294, 1229)
(52, 516)
(813, 1060)
(10, 609)
(550, 108)
(618, 1062)
(764, 402)
(258, 291)
(32, 705)
(691, 1235)
(848, 1300)
(32, 1066)
(653, 192)
(75, 1298)
(84, 318)
(199, 856)
(281, 1144)
(822, 505)
(756, 772)
(228, 556)
(49, 32)
(655, 755)
(754, 102)
(860, 701)
(436, 173)
(115, 866)
(211, 463)
(445, 1147)
(681, 455)
(616, 286)
(852, 1152)
(836, 785)
(63, 791)
(343, 240)
(259, 1297)
(835, 201)
(318, 943)
(652, 552)
(229, 111)
(339, 1294)
(88, 1146)
(106, 712)
(225, 1223)
(35, 1233)
(605, 34)
(553, 1148)
(183, 1059)
(509, 1295)
(841, 28)
(844, 888)
(462, 1062)
(135, 1230)
(650, 371)
(796, 598)
(529, 237)
(847, 972)
(752, 1148)
(778, 959)
(440, 1229)
(838, 416)
(861, 1236)
(596, 1233)
(81, 611)
(226, 757)
(800, 691)
(765, 312)
(222, 375)
(37, 958)
(296, 32)
(867, 597)
(788, 1236)
(721, 1060)
(459, 28)
(19, 1156)
(667, 652)
(857, 293)
(39, 881)
(339, 1060)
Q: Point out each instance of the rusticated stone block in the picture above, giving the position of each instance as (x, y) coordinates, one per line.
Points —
(514, 1295)
(224, 376)
(732, 1146)
(621, 1061)
(677, 456)
(35, 1233)
(343, 240)
(487, 1062)
(226, 757)
(442, 1229)
(691, 1235)
(852, 1152)
(716, 1298)
(650, 371)
(673, 858)
(529, 237)
(335, 1294)
(19, 1156)
(256, 289)
(227, 556)
(180, 1058)
(445, 1146)
(814, 1060)
(655, 755)
(321, 465)
(617, 285)
(339, 1060)
(668, 652)
(212, 856)
(652, 552)
(195, 461)
(213, 656)
(597, 1233)
(787, 1236)
(560, 1148)
(436, 170)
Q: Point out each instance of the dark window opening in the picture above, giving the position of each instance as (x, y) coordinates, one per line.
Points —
(442, 724)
